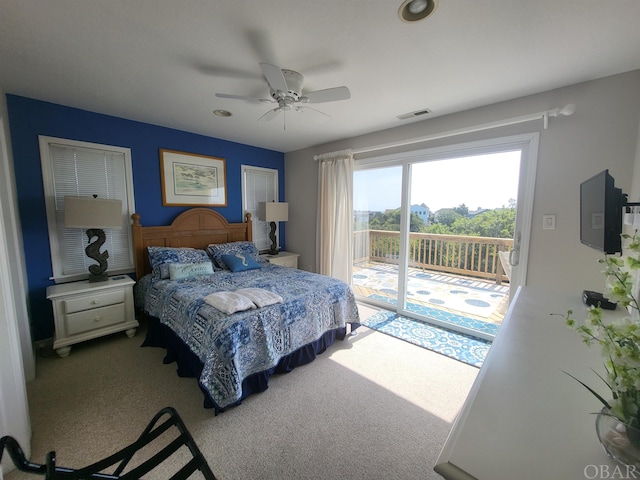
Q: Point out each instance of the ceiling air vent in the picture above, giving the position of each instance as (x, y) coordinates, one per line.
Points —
(417, 113)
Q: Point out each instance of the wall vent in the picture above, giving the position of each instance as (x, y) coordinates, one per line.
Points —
(417, 113)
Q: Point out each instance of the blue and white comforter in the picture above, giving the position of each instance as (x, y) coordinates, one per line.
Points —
(232, 347)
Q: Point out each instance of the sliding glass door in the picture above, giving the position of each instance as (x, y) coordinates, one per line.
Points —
(463, 213)
(438, 234)
(377, 197)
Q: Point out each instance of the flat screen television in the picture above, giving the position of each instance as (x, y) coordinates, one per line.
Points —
(601, 206)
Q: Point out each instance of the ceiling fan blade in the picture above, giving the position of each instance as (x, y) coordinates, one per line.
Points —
(327, 95)
(261, 44)
(220, 71)
(324, 67)
(243, 97)
(270, 115)
(274, 77)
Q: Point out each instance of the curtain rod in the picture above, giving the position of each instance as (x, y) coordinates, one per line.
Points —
(339, 153)
(544, 115)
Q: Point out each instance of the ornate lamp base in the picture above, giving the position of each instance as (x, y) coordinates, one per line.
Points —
(272, 237)
(97, 273)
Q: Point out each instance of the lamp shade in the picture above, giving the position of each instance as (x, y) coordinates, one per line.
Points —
(92, 212)
(273, 211)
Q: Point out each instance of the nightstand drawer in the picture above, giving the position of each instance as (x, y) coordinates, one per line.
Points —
(291, 262)
(284, 259)
(95, 318)
(96, 300)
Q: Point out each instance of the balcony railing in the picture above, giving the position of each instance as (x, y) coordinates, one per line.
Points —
(457, 254)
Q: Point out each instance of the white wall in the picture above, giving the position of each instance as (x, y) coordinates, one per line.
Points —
(16, 354)
(603, 133)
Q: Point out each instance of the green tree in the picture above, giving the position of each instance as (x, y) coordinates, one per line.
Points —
(447, 216)
(462, 210)
(390, 221)
(498, 223)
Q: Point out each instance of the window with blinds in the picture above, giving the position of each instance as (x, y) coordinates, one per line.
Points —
(72, 168)
(259, 185)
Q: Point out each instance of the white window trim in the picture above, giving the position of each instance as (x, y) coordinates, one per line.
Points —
(47, 180)
(254, 216)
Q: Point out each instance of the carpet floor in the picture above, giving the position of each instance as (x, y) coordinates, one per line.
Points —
(371, 407)
(455, 345)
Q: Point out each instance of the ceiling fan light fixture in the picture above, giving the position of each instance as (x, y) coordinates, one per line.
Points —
(294, 81)
(416, 10)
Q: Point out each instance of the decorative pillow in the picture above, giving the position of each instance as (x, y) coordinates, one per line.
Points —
(178, 271)
(216, 251)
(240, 262)
(161, 257)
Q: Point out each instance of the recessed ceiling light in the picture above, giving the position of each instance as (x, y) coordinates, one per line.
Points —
(222, 113)
(415, 10)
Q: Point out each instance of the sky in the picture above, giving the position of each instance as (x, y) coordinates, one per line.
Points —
(480, 181)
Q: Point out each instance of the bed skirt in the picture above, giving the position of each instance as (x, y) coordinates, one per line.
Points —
(189, 365)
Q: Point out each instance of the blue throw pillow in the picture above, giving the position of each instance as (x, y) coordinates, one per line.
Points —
(217, 250)
(240, 262)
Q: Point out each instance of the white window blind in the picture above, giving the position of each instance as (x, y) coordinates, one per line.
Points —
(259, 185)
(81, 169)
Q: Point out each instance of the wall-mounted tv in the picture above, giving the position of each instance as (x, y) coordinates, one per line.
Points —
(601, 208)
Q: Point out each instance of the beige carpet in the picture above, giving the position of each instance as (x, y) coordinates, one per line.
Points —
(370, 407)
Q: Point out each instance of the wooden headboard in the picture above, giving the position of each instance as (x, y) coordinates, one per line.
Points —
(195, 228)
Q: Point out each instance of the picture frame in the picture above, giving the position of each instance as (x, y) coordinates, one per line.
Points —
(190, 179)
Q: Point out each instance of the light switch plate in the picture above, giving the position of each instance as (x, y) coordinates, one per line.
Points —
(549, 222)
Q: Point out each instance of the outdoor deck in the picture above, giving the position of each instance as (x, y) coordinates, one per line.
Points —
(450, 290)
(450, 277)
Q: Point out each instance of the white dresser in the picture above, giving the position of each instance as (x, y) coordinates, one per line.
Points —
(285, 259)
(84, 310)
(524, 418)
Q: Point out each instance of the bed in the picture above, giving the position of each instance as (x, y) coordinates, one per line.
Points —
(226, 316)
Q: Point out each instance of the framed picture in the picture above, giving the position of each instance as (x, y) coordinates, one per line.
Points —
(190, 179)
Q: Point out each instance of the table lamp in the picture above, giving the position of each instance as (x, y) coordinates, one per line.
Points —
(94, 214)
(273, 212)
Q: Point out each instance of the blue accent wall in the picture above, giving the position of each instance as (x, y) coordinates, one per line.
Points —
(29, 118)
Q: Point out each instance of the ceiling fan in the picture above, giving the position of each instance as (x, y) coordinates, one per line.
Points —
(285, 87)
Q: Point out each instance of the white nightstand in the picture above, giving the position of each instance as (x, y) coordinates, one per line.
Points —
(285, 259)
(84, 310)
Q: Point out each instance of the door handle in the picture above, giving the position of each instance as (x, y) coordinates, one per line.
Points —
(514, 257)
(514, 254)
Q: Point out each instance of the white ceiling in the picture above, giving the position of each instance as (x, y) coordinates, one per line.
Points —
(162, 61)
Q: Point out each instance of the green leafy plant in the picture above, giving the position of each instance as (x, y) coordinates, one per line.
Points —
(619, 340)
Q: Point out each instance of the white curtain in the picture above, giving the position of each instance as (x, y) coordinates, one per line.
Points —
(334, 255)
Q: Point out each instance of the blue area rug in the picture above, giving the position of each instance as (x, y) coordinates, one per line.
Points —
(461, 347)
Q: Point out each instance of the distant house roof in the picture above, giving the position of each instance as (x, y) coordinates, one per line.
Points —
(477, 212)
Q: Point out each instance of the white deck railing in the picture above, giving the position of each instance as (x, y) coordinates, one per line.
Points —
(458, 254)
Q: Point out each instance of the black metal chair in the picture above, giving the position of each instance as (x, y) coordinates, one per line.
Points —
(121, 459)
